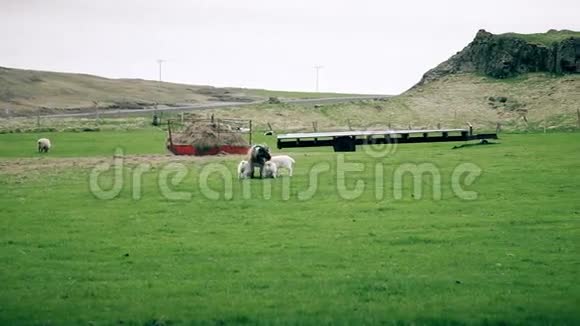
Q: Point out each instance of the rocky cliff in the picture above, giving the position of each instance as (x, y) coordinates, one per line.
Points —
(508, 55)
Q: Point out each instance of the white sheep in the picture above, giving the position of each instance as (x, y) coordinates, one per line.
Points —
(283, 161)
(43, 145)
(270, 170)
(243, 169)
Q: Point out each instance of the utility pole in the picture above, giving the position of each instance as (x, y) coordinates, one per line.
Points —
(317, 68)
(160, 62)
(156, 119)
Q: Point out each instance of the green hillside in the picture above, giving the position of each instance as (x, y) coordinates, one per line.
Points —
(547, 39)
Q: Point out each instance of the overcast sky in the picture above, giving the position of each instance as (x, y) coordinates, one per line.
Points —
(365, 46)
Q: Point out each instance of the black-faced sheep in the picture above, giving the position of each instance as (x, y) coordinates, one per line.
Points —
(257, 156)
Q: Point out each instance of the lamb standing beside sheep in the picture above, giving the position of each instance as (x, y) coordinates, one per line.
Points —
(43, 145)
(270, 168)
(283, 161)
(242, 169)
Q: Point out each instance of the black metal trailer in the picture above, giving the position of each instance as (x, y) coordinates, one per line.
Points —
(346, 141)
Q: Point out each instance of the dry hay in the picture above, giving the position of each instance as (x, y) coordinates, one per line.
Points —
(205, 134)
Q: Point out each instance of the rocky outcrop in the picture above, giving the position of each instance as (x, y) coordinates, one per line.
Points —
(566, 56)
(502, 56)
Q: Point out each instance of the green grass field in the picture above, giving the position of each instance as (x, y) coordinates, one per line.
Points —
(511, 256)
(85, 144)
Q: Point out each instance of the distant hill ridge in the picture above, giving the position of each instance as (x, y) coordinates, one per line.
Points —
(512, 54)
(25, 92)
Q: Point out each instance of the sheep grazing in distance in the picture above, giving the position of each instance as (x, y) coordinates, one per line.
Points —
(257, 157)
(243, 169)
(283, 162)
(270, 170)
(43, 145)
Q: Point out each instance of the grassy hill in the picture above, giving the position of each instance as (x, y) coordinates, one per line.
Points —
(520, 103)
(547, 39)
(23, 91)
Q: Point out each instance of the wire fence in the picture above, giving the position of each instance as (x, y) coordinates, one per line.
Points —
(93, 122)
(566, 121)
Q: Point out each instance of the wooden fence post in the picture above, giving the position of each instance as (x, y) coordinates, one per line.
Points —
(38, 118)
(498, 128)
(217, 128)
(96, 107)
(578, 114)
(250, 124)
(545, 121)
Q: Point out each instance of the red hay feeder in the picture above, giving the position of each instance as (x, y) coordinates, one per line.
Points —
(179, 148)
(191, 150)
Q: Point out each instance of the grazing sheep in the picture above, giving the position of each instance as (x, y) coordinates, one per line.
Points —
(43, 145)
(270, 170)
(257, 156)
(243, 169)
(283, 161)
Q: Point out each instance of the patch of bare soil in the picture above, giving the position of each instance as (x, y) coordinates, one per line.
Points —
(51, 165)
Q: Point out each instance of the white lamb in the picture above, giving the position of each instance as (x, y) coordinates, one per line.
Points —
(283, 161)
(243, 169)
(43, 145)
(270, 170)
